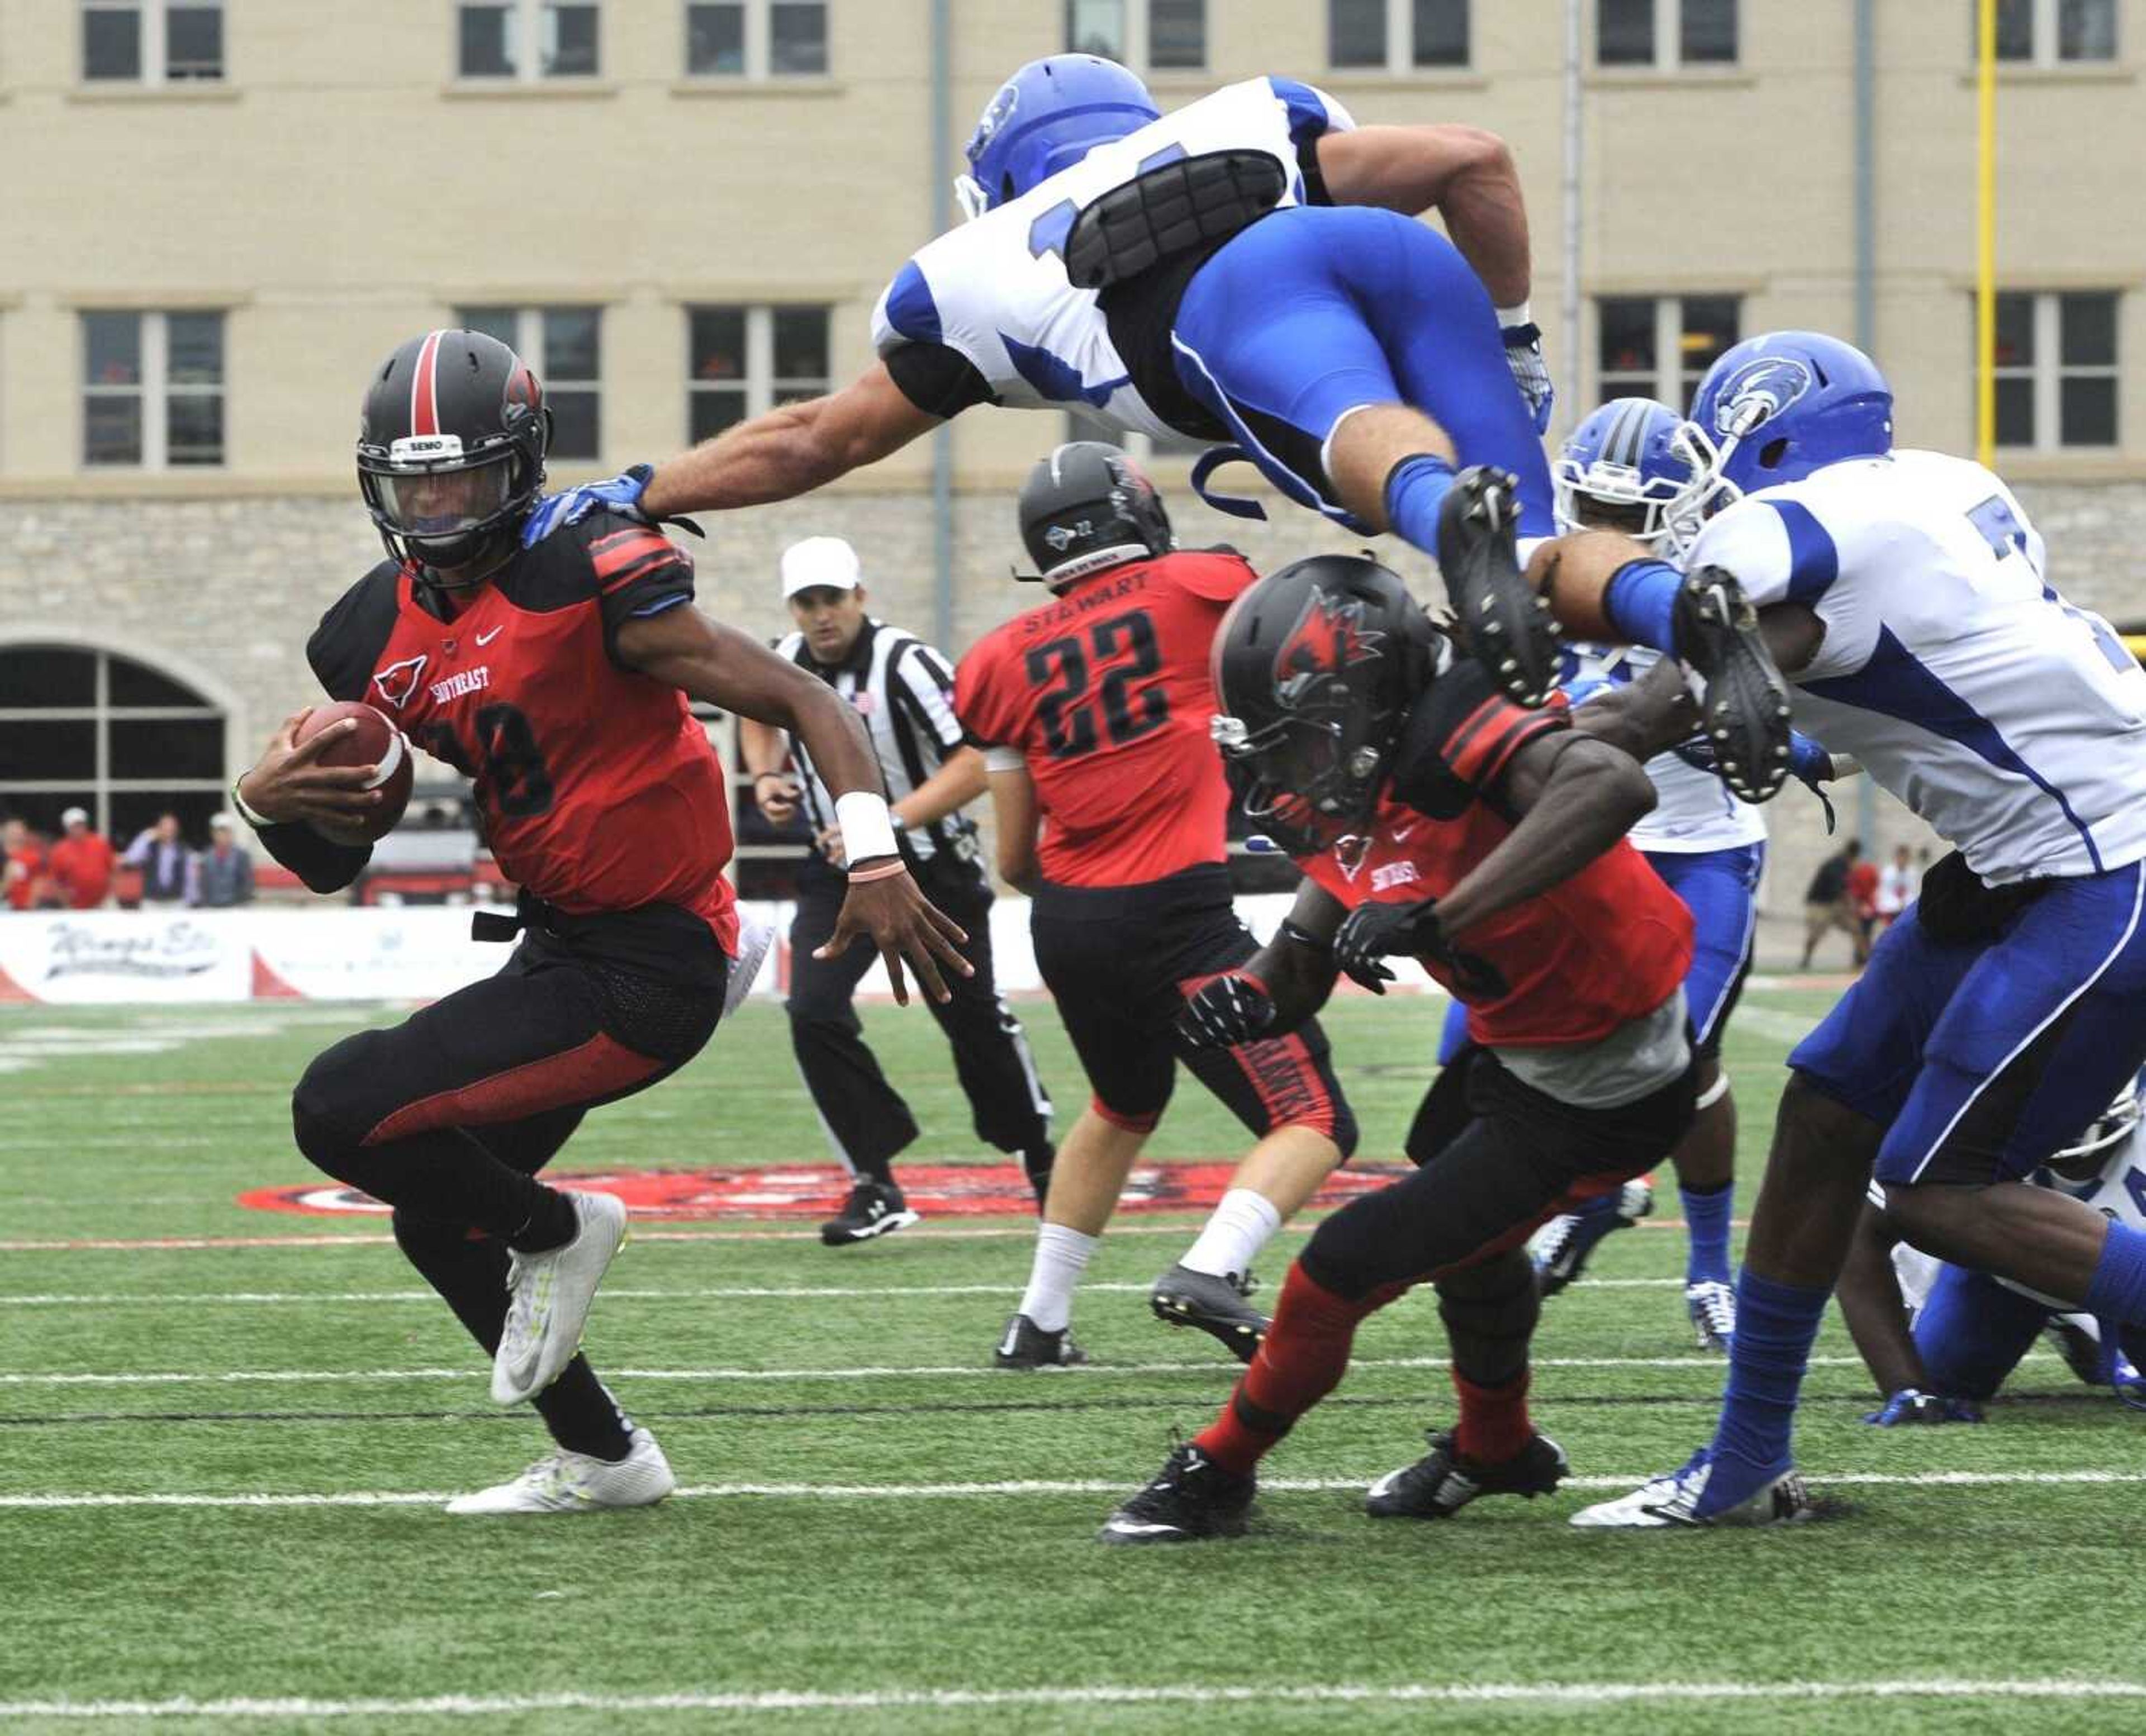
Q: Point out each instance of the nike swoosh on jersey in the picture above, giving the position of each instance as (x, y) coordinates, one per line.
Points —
(485, 638)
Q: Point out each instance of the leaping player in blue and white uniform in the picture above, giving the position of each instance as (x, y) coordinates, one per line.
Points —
(1903, 594)
(1248, 270)
(1623, 469)
(1940, 1338)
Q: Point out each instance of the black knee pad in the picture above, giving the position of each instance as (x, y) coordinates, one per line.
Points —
(1503, 1310)
(325, 1110)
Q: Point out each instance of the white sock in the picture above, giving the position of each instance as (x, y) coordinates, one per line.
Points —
(1240, 1227)
(1062, 1255)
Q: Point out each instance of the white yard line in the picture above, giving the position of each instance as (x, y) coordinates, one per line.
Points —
(734, 1292)
(929, 1699)
(1052, 1486)
(1712, 1366)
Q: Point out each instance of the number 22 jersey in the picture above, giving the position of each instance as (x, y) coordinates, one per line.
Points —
(1106, 693)
(599, 790)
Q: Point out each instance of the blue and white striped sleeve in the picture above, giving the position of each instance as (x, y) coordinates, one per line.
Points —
(1776, 548)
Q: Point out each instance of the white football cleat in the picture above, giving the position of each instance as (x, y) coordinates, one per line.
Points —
(564, 1482)
(548, 1299)
(1662, 1502)
(1712, 1306)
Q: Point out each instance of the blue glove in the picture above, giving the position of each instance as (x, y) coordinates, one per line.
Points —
(1910, 1406)
(1524, 356)
(621, 495)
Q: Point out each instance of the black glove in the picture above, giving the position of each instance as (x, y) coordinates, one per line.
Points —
(1226, 1011)
(1374, 931)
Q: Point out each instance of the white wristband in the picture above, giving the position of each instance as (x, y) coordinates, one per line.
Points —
(1508, 317)
(867, 829)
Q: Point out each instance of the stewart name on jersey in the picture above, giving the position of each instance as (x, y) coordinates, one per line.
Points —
(1106, 694)
(1595, 952)
(598, 790)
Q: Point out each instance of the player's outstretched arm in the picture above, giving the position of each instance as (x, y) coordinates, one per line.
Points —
(721, 667)
(1576, 797)
(1869, 1295)
(790, 450)
(1464, 173)
(1642, 718)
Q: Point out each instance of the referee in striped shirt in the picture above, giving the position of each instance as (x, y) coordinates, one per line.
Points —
(903, 691)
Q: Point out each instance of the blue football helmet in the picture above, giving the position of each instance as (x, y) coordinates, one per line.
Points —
(1779, 406)
(1046, 118)
(1623, 469)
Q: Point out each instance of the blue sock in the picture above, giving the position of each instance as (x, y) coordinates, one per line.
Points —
(1416, 489)
(2118, 1289)
(1776, 1324)
(1706, 1223)
(1641, 603)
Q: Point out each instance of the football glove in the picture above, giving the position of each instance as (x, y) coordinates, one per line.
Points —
(621, 495)
(1226, 1011)
(1523, 356)
(1375, 931)
(1910, 1406)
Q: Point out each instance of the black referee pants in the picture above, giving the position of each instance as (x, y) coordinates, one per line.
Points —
(864, 1114)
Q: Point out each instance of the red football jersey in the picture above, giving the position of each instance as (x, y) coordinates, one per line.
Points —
(1105, 692)
(598, 790)
(1608, 945)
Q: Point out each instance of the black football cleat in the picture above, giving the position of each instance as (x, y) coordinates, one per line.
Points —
(1508, 623)
(1563, 1246)
(1745, 713)
(1441, 1483)
(873, 1209)
(1216, 1305)
(1193, 1497)
(1025, 1345)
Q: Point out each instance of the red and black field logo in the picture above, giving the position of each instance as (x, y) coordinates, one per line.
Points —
(818, 1190)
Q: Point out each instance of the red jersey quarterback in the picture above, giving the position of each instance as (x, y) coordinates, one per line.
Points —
(1110, 802)
(558, 677)
(1435, 819)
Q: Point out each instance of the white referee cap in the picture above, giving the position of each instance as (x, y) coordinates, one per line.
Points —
(74, 814)
(818, 561)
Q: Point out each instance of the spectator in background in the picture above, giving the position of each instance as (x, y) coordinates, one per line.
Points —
(1897, 886)
(164, 860)
(78, 872)
(222, 875)
(1863, 901)
(1828, 904)
(21, 864)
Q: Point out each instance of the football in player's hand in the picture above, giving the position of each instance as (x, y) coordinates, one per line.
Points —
(376, 742)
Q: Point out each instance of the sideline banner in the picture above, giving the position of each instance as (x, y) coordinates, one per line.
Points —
(345, 953)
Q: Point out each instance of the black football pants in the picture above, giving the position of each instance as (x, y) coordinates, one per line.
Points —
(865, 1116)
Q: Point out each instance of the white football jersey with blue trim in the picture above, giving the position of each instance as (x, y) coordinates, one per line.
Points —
(995, 289)
(2013, 722)
(1693, 811)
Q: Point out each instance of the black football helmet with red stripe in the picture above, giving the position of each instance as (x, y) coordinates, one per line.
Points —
(1315, 669)
(451, 450)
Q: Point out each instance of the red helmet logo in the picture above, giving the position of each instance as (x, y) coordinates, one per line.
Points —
(1329, 637)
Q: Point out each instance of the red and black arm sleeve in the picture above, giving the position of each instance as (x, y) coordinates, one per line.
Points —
(637, 571)
(1460, 741)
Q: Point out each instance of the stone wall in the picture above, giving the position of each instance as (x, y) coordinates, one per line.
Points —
(223, 593)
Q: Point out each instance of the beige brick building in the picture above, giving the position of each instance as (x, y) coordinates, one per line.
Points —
(217, 217)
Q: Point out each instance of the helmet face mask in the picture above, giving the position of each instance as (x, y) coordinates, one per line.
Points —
(2087, 1155)
(1625, 468)
(450, 454)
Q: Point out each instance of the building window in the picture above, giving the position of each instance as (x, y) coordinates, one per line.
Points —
(91, 729)
(743, 362)
(1660, 347)
(1158, 35)
(152, 390)
(757, 39)
(1664, 33)
(526, 39)
(151, 41)
(2049, 32)
(564, 346)
(2056, 370)
(1396, 36)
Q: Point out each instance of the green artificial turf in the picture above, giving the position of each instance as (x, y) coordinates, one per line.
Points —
(146, 1124)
